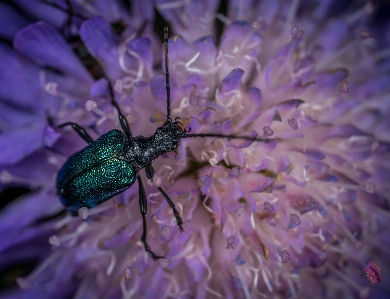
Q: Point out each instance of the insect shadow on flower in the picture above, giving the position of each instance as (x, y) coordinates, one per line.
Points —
(111, 164)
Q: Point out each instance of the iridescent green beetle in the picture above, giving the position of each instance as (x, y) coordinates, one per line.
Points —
(111, 164)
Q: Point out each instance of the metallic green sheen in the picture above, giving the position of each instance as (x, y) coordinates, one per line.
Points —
(95, 174)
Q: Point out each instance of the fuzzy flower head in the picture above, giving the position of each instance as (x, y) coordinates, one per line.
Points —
(301, 212)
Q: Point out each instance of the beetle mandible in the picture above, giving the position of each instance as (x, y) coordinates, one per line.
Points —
(111, 164)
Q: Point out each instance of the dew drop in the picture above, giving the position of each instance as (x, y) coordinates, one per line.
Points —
(164, 262)
(293, 123)
(230, 242)
(268, 131)
(295, 219)
(90, 105)
(374, 146)
(128, 272)
(370, 188)
(83, 213)
(284, 255)
(268, 206)
(344, 86)
(51, 88)
(296, 32)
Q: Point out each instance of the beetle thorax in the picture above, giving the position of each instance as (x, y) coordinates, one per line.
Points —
(142, 151)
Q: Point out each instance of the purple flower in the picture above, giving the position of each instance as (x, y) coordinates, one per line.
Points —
(298, 216)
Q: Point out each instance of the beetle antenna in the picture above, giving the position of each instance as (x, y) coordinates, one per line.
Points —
(167, 86)
(228, 137)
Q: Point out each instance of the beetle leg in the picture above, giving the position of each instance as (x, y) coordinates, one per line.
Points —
(122, 119)
(82, 133)
(150, 173)
(143, 209)
(172, 206)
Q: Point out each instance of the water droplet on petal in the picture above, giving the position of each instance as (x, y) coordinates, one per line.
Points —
(164, 262)
(296, 32)
(230, 242)
(293, 123)
(295, 219)
(284, 255)
(373, 273)
(268, 131)
(374, 146)
(344, 86)
(268, 206)
(128, 272)
(90, 105)
(370, 188)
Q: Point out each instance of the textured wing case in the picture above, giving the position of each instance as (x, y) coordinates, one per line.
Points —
(95, 174)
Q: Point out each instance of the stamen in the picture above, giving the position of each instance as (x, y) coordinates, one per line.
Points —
(344, 86)
(166, 231)
(295, 219)
(7, 177)
(210, 274)
(293, 123)
(91, 105)
(322, 255)
(56, 241)
(164, 262)
(128, 272)
(230, 242)
(268, 131)
(373, 273)
(284, 255)
(296, 33)
(85, 212)
(118, 87)
(257, 25)
(111, 254)
(363, 292)
(51, 88)
(268, 206)
(357, 244)
(364, 34)
(321, 169)
(370, 188)
(374, 146)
